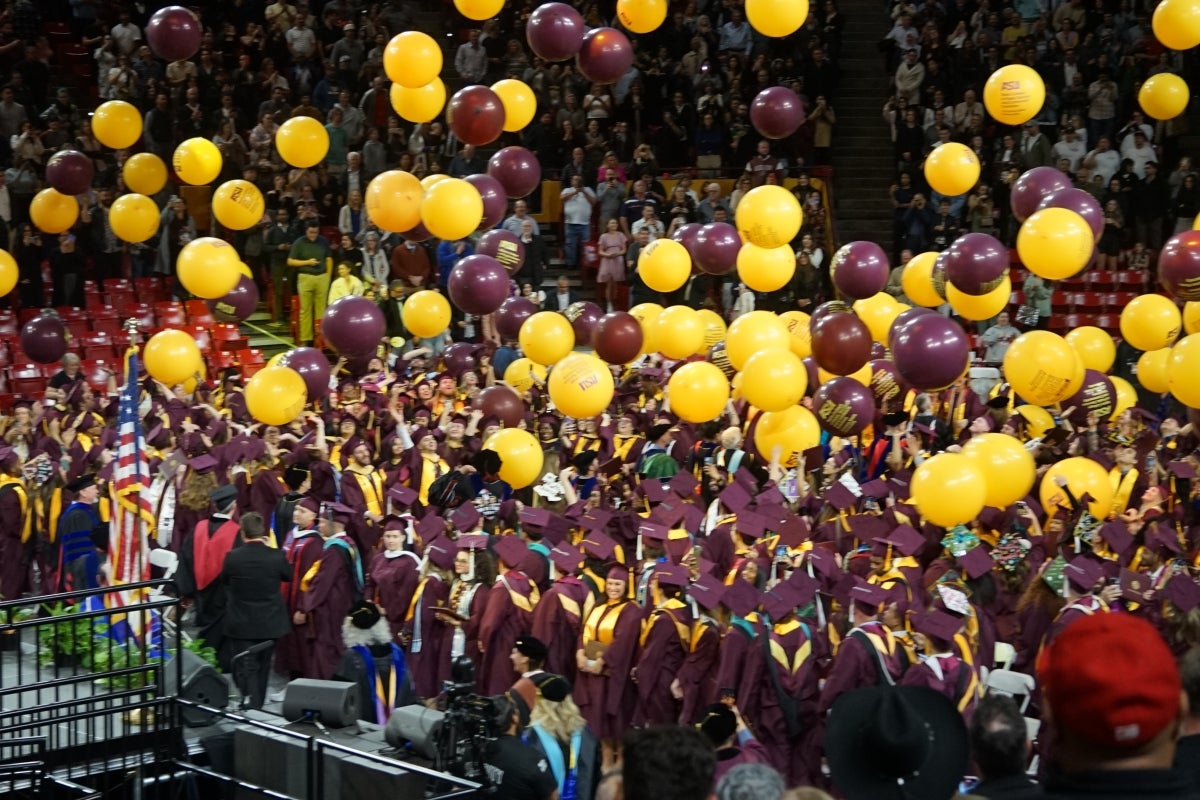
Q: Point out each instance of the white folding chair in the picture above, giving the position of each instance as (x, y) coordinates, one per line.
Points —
(1032, 726)
(1016, 685)
(1005, 655)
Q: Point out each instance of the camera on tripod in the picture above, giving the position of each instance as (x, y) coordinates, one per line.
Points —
(469, 725)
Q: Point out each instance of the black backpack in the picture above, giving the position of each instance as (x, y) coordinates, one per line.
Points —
(450, 490)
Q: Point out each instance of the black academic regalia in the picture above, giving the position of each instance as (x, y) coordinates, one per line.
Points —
(351, 668)
(210, 599)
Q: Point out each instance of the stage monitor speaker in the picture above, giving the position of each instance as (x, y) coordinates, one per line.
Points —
(333, 703)
(201, 684)
(416, 725)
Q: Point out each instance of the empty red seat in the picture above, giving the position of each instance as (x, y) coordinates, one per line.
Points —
(201, 334)
(150, 290)
(95, 372)
(228, 337)
(1130, 280)
(199, 313)
(26, 379)
(1109, 322)
(219, 360)
(1099, 280)
(1088, 301)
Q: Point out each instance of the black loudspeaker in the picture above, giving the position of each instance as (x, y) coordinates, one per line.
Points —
(332, 703)
(416, 725)
(201, 684)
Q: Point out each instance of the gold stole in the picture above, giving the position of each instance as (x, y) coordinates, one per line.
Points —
(585, 443)
(571, 607)
(431, 470)
(371, 485)
(22, 502)
(1122, 488)
(412, 607)
(780, 655)
(622, 445)
(602, 624)
(885, 644)
(698, 629)
(48, 511)
(519, 600)
(665, 609)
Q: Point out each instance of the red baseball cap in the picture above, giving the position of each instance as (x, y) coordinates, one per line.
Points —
(1110, 679)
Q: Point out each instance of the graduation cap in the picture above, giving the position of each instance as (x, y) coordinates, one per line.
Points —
(899, 483)
(741, 597)
(1135, 586)
(1083, 573)
(746, 478)
(1117, 535)
(976, 562)
(576, 509)
(752, 524)
(793, 532)
(668, 512)
(938, 624)
(309, 504)
(654, 490)
(867, 595)
(707, 591)
(7, 453)
(867, 527)
(566, 558)
(692, 517)
(341, 514)
(671, 575)
(806, 585)
(222, 495)
(1182, 470)
(954, 599)
(683, 484)
(840, 497)
(1162, 539)
(781, 601)
(770, 496)
(511, 550)
(843, 587)
(203, 464)
(465, 517)
(876, 489)
(1183, 592)
(403, 496)
(823, 562)
(431, 526)
(734, 497)
(534, 518)
(440, 552)
(598, 545)
(472, 541)
(596, 519)
(678, 544)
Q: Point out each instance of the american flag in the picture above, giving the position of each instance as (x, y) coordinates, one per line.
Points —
(132, 519)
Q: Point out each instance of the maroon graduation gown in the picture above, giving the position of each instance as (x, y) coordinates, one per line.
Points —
(855, 666)
(557, 620)
(266, 488)
(391, 584)
(698, 675)
(330, 596)
(365, 534)
(662, 653)
(607, 701)
(794, 756)
(293, 651)
(955, 681)
(504, 621)
(429, 650)
(14, 571)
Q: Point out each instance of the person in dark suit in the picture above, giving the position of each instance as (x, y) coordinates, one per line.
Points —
(252, 576)
(561, 299)
(391, 306)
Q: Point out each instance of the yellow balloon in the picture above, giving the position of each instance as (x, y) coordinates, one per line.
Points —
(1014, 94)
(208, 267)
(523, 374)
(1037, 419)
(979, 306)
(799, 336)
(429, 181)
(864, 375)
(9, 273)
(1008, 468)
(1152, 369)
(238, 205)
(452, 209)
(393, 200)
(776, 18)
(1042, 368)
(664, 265)
(520, 456)
(878, 312)
(276, 395)
(581, 385)
(714, 329)
(1176, 23)
(546, 337)
(245, 270)
(1126, 396)
(479, 10)
(412, 59)
(422, 104)
(1151, 322)
(769, 216)
(1055, 243)
(133, 217)
(917, 280)
(145, 173)
(641, 16)
(774, 379)
(52, 212)
(197, 161)
(765, 269)
(952, 169)
(172, 356)
(698, 392)
(1182, 371)
(646, 314)
(189, 385)
(1163, 96)
(519, 101)
(117, 124)
(790, 432)
(679, 332)
(302, 142)
(1191, 317)
(949, 489)
(425, 313)
(1083, 476)
(1094, 346)
(749, 333)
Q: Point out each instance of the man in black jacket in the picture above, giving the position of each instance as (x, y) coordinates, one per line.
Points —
(1000, 748)
(252, 575)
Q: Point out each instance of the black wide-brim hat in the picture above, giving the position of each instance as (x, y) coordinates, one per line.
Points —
(896, 742)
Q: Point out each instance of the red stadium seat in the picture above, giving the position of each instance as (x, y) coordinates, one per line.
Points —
(228, 337)
(1131, 280)
(199, 313)
(26, 379)
(171, 315)
(1092, 302)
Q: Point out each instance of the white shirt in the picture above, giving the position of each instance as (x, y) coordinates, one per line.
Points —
(654, 227)
(302, 41)
(577, 209)
(1107, 163)
(471, 61)
(125, 37)
(1073, 151)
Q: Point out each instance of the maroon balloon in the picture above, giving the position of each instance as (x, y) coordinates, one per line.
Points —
(1032, 188)
(502, 403)
(173, 33)
(512, 314)
(843, 406)
(44, 338)
(886, 383)
(517, 170)
(1179, 265)
(617, 337)
(841, 343)
(718, 356)
(312, 365)
(827, 308)
(240, 302)
(814, 374)
(555, 31)
(1081, 203)
(878, 351)
(716, 247)
(353, 325)
(1097, 394)
(777, 112)
(478, 284)
(931, 352)
(505, 247)
(476, 115)
(495, 204)
(903, 318)
(605, 55)
(584, 317)
(70, 172)
(976, 263)
(686, 235)
(860, 269)
(459, 358)
(417, 234)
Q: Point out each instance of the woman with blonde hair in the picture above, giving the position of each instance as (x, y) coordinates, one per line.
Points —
(558, 730)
